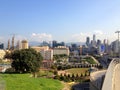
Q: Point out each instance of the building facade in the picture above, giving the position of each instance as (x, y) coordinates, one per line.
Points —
(2, 53)
(24, 44)
(61, 50)
(46, 53)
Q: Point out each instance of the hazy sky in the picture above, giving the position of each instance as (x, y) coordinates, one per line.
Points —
(62, 20)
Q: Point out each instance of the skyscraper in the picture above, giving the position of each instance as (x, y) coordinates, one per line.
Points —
(94, 41)
(87, 41)
(94, 38)
(13, 42)
(98, 42)
(18, 45)
(8, 47)
(54, 43)
(1, 46)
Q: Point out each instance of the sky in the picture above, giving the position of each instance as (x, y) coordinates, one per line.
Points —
(61, 20)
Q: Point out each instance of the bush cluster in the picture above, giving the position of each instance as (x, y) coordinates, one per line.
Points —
(71, 77)
(64, 67)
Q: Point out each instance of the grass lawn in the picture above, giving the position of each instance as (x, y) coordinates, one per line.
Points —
(78, 71)
(45, 73)
(90, 60)
(25, 82)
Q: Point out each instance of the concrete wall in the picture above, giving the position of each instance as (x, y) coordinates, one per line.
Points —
(112, 78)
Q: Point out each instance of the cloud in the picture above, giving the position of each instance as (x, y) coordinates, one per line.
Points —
(1, 38)
(99, 32)
(81, 37)
(41, 37)
(20, 37)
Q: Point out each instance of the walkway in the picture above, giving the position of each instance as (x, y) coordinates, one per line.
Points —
(2, 84)
(66, 86)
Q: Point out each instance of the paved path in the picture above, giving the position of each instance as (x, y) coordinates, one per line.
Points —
(66, 86)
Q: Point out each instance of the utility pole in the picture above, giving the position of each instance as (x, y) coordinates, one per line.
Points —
(118, 43)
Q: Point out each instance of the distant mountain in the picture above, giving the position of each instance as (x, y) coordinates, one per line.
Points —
(77, 43)
(35, 43)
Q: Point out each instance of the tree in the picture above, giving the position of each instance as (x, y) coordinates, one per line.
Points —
(61, 58)
(7, 55)
(26, 60)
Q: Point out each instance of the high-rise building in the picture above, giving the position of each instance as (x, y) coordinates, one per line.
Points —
(13, 38)
(1, 46)
(18, 45)
(54, 43)
(87, 41)
(94, 41)
(105, 41)
(8, 47)
(94, 38)
(98, 42)
(61, 44)
(24, 44)
(114, 46)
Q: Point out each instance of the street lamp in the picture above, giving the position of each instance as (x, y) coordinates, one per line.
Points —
(118, 43)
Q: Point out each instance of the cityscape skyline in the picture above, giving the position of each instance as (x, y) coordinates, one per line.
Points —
(63, 20)
(60, 44)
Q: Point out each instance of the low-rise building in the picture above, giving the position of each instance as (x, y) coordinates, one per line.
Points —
(46, 53)
(61, 50)
(39, 48)
(24, 44)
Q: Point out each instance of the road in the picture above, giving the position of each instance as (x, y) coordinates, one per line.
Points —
(83, 86)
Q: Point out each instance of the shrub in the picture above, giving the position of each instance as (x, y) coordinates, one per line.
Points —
(10, 70)
(55, 72)
(81, 75)
(68, 75)
(57, 77)
(62, 78)
(59, 68)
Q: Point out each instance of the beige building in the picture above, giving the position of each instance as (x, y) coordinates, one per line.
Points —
(2, 53)
(61, 50)
(38, 49)
(49, 54)
(24, 44)
(46, 53)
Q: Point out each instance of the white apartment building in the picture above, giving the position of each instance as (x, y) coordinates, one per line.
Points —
(61, 50)
(49, 54)
(2, 53)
